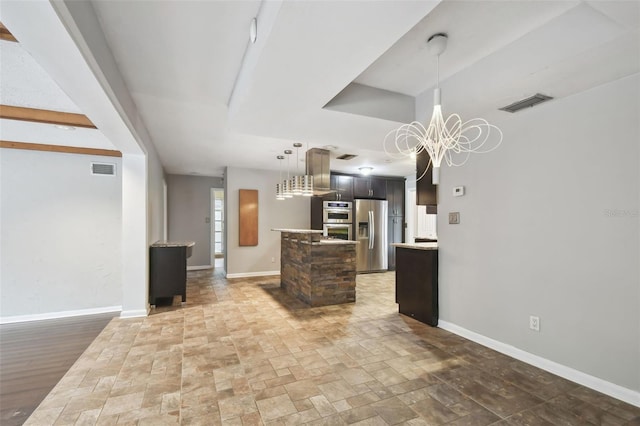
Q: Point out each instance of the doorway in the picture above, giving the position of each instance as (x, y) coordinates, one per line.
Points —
(217, 228)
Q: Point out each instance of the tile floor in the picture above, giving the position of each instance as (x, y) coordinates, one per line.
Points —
(242, 352)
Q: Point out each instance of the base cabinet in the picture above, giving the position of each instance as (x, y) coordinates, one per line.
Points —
(168, 272)
(417, 284)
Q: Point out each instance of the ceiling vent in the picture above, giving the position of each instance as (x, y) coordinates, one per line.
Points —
(526, 103)
(346, 157)
(104, 169)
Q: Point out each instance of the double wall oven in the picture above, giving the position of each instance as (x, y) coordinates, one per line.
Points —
(337, 219)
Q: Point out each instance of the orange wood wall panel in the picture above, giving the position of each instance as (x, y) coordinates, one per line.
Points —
(248, 217)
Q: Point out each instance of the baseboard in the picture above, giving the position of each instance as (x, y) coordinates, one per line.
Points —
(253, 274)
(199, 268)
(60, 314)
(135, 313)
(616, 391)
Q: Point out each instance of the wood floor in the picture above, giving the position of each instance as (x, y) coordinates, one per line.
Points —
(35, 355)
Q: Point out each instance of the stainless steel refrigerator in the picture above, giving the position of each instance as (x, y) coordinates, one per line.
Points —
(371, 235)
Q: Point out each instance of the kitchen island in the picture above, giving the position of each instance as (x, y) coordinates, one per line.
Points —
(317, 271)
(417, 281)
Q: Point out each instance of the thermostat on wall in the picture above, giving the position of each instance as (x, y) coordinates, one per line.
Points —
(458, 191)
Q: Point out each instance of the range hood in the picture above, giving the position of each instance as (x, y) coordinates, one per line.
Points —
(317, 161)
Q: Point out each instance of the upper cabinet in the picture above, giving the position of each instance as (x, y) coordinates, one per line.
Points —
(395, 196)
(426, 192)
(343, 187)
(370, 187)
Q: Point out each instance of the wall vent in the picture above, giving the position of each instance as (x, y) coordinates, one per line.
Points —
(526, 103)
(105, 169)
(346, 157)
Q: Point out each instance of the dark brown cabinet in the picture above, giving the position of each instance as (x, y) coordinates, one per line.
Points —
(395, 197)
(370, 187)
(426, 192)
(395, 221)
(342, 187)
(168, 272)
(316, 212)
(417, 284)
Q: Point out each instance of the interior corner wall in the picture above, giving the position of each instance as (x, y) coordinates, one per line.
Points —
(290, 213)
(60, 232)
(189, 207)
(155, 195)
(549, 227)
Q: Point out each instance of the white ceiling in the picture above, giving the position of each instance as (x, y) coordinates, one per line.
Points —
(182, 59)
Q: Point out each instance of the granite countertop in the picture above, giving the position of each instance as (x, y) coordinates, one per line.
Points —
(173, 244)
(298, 231)
(417, 246)
(336, 241)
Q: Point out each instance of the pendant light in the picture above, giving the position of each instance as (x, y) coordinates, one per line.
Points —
(307, 179)
(442, 138)
(286, 184)
(279, 189)
(296, 187)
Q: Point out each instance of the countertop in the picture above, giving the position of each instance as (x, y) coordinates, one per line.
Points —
(298, 231)
(336, 241)
(417, 246)
(317, 233)
(173, 244)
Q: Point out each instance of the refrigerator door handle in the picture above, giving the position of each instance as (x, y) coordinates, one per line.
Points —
(372, 234)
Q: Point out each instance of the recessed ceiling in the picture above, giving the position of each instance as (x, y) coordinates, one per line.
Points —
(184, 62)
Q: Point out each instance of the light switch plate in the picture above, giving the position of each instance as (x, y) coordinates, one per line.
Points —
(454, 218)
(458, 191)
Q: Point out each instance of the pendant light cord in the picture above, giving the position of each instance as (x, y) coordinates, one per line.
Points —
(438, 71)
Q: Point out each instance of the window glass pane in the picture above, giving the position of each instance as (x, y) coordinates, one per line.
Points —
(218, 226)
(218, 215)
(218, 237)
(218, 247)
(218, 204)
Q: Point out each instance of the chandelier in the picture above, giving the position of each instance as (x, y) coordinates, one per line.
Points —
(296, 185)
(447, 139)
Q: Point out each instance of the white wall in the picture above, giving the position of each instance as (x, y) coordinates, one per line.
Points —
(60, 231)
(155, 196)
(537, 236)
(291, 213)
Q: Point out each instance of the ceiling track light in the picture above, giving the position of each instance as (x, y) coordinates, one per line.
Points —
(447, 139)
(253, 30)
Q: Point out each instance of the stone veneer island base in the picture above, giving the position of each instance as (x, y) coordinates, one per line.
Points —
(318, 272)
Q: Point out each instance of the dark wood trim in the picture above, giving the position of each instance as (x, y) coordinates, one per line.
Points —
(45, 116)
(5, 34)
(60, 148)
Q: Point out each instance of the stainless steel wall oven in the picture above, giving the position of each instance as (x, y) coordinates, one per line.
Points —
(340, 231)
(337, 212)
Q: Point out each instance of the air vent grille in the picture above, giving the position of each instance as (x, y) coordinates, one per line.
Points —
(346, 157)
(526, 103)
(105, 169)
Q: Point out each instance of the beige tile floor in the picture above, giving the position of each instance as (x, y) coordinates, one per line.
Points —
(242, 352)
